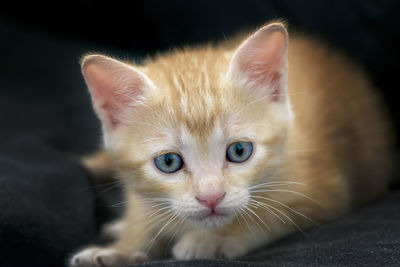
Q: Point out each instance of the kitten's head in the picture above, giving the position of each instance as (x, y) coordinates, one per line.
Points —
(197, 128)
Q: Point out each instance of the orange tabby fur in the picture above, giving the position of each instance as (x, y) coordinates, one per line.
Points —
(334, 151)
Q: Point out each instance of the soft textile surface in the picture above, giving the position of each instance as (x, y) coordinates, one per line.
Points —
(48, 205)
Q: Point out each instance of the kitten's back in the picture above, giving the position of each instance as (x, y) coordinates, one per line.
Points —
(340, 113)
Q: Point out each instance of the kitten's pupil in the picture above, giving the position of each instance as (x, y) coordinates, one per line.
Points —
(168, 159)
(239, 149)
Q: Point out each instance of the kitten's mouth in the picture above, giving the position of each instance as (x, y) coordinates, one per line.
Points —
(212, 218)
(212, 214)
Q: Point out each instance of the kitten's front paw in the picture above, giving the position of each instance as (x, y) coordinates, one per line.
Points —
(200, 245)
(105, 257)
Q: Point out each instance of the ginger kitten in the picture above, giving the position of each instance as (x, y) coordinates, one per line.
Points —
(225, 148)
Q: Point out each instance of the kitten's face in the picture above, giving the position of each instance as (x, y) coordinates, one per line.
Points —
(197, 128)
(203, 164)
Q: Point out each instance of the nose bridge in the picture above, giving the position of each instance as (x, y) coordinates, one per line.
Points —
(208, 175)
(209, 182)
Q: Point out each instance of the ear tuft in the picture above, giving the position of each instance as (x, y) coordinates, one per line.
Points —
(260, 62)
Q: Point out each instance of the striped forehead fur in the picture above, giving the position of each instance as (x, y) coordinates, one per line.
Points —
(192, 85)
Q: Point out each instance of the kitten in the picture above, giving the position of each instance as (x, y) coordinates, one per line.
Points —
(225, 148)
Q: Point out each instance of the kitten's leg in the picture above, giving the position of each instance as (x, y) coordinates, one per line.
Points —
(209, 244)
(113, 230)
(205, 244)
(127, 249)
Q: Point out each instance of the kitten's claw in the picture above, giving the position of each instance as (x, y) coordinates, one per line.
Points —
(105, 257)
(200, 245)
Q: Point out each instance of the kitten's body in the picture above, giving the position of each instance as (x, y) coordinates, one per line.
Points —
(328, 149)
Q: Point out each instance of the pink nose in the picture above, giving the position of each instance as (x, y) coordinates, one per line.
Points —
(211, 200)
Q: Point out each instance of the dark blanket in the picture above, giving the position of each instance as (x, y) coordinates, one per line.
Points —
(48, 205)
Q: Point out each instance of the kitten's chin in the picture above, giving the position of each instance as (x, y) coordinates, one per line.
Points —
(211, 219)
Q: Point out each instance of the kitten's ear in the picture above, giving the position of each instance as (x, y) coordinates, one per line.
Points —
(115, 88)
(260, 62)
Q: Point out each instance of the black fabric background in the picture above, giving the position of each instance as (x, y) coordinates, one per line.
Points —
(48, 205)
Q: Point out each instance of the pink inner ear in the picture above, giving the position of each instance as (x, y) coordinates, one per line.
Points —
(262, 59)
(113, 90)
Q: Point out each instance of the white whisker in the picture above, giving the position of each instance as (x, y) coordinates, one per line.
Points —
(246, 222)
(161, 209)
(270, 184)
(176, 231)
(288, 191)
(143, 201)
(245, 211)
(153, 221)
(107, 189)
(286, 206)
(151, 242)
(255, 214)
(180, 220)
(290, 219)
(261, 204)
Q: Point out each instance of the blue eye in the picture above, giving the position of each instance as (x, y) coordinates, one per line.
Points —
(239, 152)
(169, 162)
